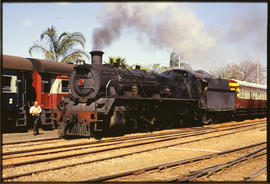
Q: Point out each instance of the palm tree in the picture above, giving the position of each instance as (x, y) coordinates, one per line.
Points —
(61, 48)
(119, 62)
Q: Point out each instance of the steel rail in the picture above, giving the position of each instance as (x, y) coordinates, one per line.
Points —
(48, 139)
(118, 156)
(206, 168)
(90, 146)
(103, 150)
(97, 142)
(219, 167)
(80, 154)
(171, 164)
(255, 174)
(112, 139)
(100, 142)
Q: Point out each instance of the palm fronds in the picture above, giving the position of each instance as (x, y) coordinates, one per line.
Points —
(61, 47)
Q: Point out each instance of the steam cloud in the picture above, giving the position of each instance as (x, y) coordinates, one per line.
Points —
(176, 27)
(165, 25)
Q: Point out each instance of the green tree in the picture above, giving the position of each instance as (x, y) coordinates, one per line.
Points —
(61, 48)
(119, 62)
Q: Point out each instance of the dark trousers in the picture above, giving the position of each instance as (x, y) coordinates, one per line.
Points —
(36, 120)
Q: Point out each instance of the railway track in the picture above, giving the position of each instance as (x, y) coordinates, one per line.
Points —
(44, 141)
(114, 141)
(255, 174)
(219, 167)
(149, 141)
(78, 146)
(196, 174)
(48, 141)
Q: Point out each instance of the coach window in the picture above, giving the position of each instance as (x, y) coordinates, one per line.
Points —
(6, 83)
(64, 86)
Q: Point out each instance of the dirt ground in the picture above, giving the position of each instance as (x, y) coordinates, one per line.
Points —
(159, 156)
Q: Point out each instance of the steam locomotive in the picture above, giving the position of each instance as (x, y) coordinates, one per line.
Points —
(104, 98)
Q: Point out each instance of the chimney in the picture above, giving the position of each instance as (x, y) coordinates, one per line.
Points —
(96, 57)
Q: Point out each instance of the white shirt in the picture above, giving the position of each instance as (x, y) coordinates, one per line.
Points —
(35, 110)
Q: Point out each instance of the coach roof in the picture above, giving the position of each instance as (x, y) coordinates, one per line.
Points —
(31, 64)
(16, 63)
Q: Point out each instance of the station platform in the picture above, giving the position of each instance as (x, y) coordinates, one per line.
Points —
(8, 138)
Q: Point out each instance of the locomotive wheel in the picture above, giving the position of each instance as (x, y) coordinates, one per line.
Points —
(168, 118)
(207, 119)
(159, 120)
(95, 134)
(169, 123)
(164, 120)
(157, 124)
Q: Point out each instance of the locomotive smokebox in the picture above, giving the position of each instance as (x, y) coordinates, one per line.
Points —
(96, 57)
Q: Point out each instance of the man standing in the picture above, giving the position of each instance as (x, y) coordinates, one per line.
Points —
(35, 111)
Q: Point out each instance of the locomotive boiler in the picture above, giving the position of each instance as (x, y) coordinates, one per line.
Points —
(104, 98)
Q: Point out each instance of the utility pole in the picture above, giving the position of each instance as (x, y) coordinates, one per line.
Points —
(257, 73)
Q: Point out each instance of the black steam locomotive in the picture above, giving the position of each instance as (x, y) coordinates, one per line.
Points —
(106, 98)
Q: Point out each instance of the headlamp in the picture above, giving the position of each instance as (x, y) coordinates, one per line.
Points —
(80, 62)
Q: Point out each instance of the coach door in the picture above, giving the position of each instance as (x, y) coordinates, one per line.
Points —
(21, 86)
(45, 99)
(21, 99)
(46, 85)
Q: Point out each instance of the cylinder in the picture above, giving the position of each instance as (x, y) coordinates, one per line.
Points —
(96, 57)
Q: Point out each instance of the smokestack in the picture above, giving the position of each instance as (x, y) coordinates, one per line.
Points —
(179, 62)
(96, 57)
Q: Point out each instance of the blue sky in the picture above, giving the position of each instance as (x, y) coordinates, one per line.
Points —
(208, 35)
